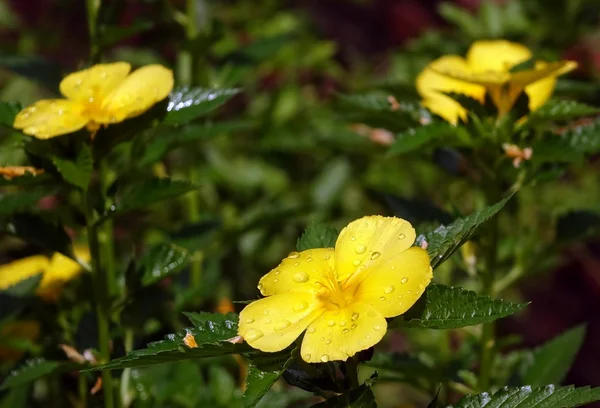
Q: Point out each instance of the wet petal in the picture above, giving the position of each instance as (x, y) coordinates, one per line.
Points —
(51, 117)
(306, 271)
(496, 55)
(394, 286)
(59, 271)
(94, 83)
(369, 242)
(273, 323)
(341, 333)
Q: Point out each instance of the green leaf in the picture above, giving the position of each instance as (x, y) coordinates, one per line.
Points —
(549, 396)
(15, 398)
(187, 104)
(8, 112)
(263, 371)
(114, 34)
(552, 360)
(37, 230)
(210, 332)
(317, 236)
(361, 397)
(404, 365)
(35, 68)
(561, 109)
(14, 298)
(25, 287)
(161, 261)
(414, 138)
(37, 368)
(77, 172)
(445, 240)
(148, 192)
(446, 307)
(570, 146)
(21, 200)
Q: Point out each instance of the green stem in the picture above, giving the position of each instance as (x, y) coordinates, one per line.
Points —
(352, 367)
(106, 236)
(83, 391)
(92, 14)
(126, 376)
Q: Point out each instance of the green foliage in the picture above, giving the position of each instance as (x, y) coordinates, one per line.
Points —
(40, 231)
(263, 372)
(8, 112)
(162, 261)
(33, 369)
(559, 110)
(79, 171)
(443, 307)
(445, 240)
(415, 138)
(361, 397)
(317, 236)
(550, 396)
(12, 203)
(187, 104)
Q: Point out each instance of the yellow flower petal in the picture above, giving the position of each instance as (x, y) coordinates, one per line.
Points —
(59, 271)
(304, 271)
(22, 269)
(273, 323)
(397, 283)
(94, 83)
(496, 55)
(339, 334)
(51, 117)
(370, 241)
(142, 89)
(445, 107)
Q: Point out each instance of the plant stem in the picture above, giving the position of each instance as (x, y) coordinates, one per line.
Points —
(106, 238)
(126, 376)
(92, 14)
(82, 385)
(352, 367)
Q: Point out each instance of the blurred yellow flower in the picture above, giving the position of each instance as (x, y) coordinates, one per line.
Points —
(15, 331)
(340, 296)
(100, 95)
(56, 271)
(487, 68)
(10, 172)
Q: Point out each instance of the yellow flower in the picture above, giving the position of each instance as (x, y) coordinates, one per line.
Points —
(100, 95)
(19, 330)
(56, 271)
(340, 296)
(10, 172)
(487, 69)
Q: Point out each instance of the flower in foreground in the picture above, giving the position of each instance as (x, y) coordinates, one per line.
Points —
(56, 271)
(98, 96)
(340, 296)
(489, 67)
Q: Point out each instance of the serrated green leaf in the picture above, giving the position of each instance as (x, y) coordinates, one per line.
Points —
(161, 261)
(560, 109)
(446, 307)
(8, 111)
(187, 104)
(37, 368)
(317, 236)
(445, 240)
(570, 146)
(78, 172)
(550, 396)
(35, 68)
(210, 333)
(21, 200)
(148, 192)
(414, 138)
(39, 231)
(552, 360)
(361, 397)
(263, 371)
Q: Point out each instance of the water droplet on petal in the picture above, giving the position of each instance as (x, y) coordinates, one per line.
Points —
(250, 320)
(382, 298)
(328, 341)
(268, 321)
(322, 339)
(331, 323)
(266, 311)
(327, 257)
(362, 267)
(307, 356)
(368, 336)
(377, 327)
(356, 262)
(401, 236)
(311, 330)
(404, 280)
(389, 289)
(277, 272)
(309, 259)
(353, 327)
(375, 255)
(300, 277)
(300, 307)
(360, 249)
(324, 358)
(283, 324)
(260, 286)
(345, 331)
(343, 323)
(353, 239)
(275, 280)
(253, 334)
(294, 255)
(393, 267)
(355, 316)
(297, 263)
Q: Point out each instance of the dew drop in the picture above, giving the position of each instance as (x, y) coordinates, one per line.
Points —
(355, 316)
(309, 259)
(300, 307)
(360, 249)
(328, 341)
(356, 262)
(268, 321)
(375, 255)
(393, 267)
(294, 255)
(401, 236)
(324, 358)
(253, 334)
(404, 280)
(322, 339)
(311, 330)
(300, 277)
(250, 320)
(297, 263)
(382, 298)
(277, 272)
(368, 336)
(345, 331)
(280, 334)
(343, 323)
(275, 280)
(266, 311)
(283, 324)
(389, 290)
(377, 327)
(260, 286)
(362, 267)
(353, 327)
(353, 239)
(307, 356)
(327, 257)
(331, 323)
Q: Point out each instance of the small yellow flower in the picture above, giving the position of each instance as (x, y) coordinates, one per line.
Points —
(18, 330)
(101, 95)
(486, 68)
(56, 271)
(340, 296)
(10, 172)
